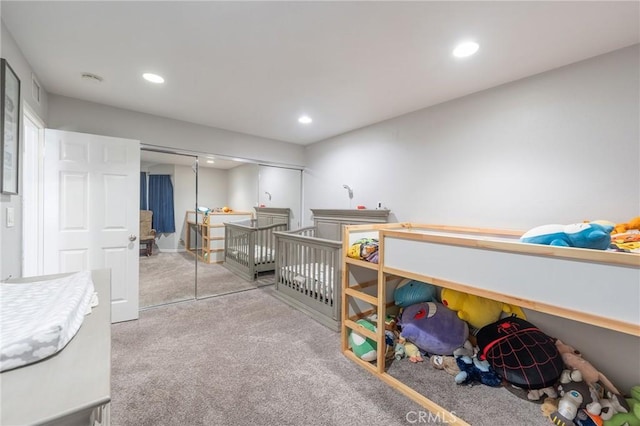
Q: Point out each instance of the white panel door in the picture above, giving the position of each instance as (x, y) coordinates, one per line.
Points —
(92, 219)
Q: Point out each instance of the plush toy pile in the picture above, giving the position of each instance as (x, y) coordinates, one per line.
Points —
(507, 350)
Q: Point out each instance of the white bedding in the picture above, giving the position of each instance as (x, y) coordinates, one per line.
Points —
(314, 277)
(262, 254)
(38, 319)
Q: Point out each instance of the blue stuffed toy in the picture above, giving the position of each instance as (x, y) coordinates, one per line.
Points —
(581, 235)
(410, 292)
(474, 370)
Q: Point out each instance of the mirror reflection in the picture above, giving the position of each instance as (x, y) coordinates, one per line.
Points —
(167, 189)
(187, 261)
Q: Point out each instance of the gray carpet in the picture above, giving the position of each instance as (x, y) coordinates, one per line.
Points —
(249, 359)
(171, 277)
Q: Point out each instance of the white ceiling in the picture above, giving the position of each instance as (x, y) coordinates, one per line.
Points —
(254, 67)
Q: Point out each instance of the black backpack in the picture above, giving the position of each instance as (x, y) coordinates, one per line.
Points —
(520, 353)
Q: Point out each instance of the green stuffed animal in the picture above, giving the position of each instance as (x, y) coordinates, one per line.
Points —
(363, 347)
(632, 418)
(475, 310)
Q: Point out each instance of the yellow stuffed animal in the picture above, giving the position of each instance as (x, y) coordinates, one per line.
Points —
(621, 228)
(475, 310)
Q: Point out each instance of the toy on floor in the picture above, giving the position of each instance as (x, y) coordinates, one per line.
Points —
(536, 394)
(621, 228)
(549, 405)
(410, 292)
(632, 417)
(520, 353)
(573, 360)
(611, 405)
(475, 310)
(412, 352)
(433, 328)
(581, 235)
(474, 370)
(445, 362)
(363, 348)
(575, 395)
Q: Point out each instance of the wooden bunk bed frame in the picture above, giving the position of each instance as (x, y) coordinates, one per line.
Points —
(560, 281)
(249, 246)
(308, 262)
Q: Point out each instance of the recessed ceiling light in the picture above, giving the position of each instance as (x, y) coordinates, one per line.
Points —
(210, 161)
(305, 119)
(466, 49)
(154, 78)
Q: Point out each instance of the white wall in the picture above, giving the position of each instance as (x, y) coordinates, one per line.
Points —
(11, 238)
(243, 188)
(285, 187)
(213, 187)
(559, 147)
(82, 116)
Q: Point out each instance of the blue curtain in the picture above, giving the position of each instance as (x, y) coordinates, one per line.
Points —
(143, 191)
(161, 203)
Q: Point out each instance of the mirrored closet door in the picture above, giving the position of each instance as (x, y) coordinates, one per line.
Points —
(241, 188)
(184, 260)
(167, 191)
(226, 194)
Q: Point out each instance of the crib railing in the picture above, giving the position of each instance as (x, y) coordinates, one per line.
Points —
(307, 273)
(249, 248)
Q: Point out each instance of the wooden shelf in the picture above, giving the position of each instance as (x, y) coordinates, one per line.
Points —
(203, 226)
(361, 263)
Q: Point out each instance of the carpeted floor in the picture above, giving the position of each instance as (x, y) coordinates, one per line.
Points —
(249, 359)
(171, 277)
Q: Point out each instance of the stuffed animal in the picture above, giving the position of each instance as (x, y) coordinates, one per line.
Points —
(433, 328)
(621, 228)
(363, 348)
(410, 292)
(575, 395)
(364, 249)
(573, 360)
(632, 417)
(474, 370)
(413, 352)
(549, 405)
(446, 363)
(581, 235)
(612, 405)
(536, 394)
(475, 310)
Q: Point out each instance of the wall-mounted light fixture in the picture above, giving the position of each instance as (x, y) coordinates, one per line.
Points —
(268, 195)
(348, 188)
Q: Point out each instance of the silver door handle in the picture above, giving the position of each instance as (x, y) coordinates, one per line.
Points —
(132, 237)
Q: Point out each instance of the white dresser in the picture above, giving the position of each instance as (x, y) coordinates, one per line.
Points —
(72, 387)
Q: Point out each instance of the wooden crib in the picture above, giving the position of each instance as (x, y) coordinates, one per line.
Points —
(308, 262)
(249, 246)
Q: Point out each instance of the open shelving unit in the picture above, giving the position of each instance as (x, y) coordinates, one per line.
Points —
(204, 233)
(485, 263)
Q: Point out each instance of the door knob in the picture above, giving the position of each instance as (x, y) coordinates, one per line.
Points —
(132, 237)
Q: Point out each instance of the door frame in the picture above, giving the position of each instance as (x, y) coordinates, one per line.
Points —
(32, 208)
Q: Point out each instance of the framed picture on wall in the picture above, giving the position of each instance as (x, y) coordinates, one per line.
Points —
(9, 127)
